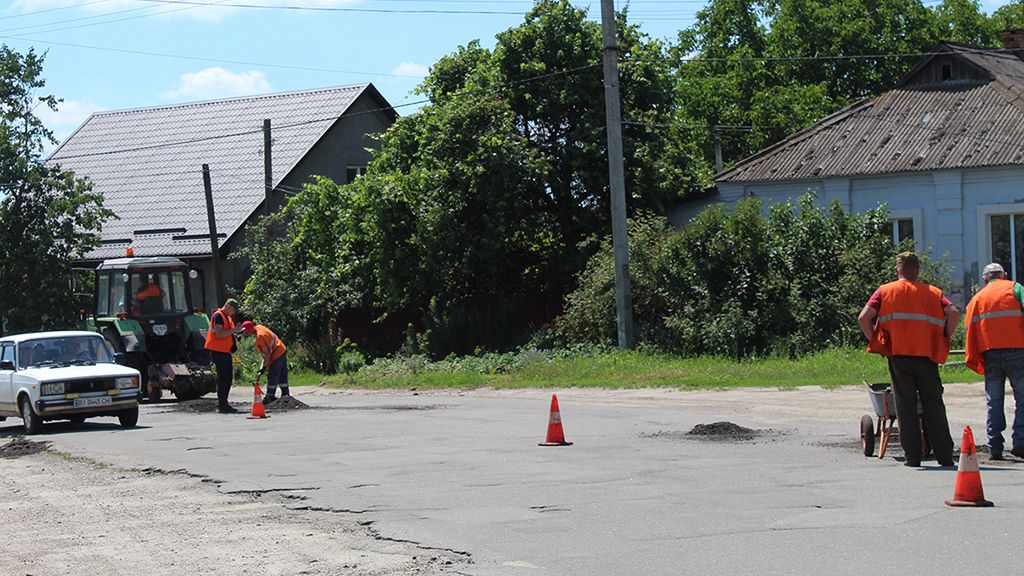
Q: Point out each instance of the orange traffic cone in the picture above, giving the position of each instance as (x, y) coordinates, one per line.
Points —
(555, 435)
(968, 490)
(257, 403)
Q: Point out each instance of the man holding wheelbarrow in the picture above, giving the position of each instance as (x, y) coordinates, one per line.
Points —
(995, 348)
(275, 358)
(910, 323)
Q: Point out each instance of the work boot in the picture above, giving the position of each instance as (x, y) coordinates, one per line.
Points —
(995, 453)
(268, 399)
(946, 462)
(227, 409)
(1018, 452)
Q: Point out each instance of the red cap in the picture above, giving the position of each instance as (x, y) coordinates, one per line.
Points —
(248, 327)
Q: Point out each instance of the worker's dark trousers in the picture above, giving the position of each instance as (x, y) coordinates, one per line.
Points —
(914, 377)
(222, 360)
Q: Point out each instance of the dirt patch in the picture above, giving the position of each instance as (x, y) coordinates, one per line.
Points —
(714, 432)
(21, 447)
(286, 404)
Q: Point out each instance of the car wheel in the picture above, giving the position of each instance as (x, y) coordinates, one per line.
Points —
(32, 421)
(867, 435)
(129, 418)
(77, 419)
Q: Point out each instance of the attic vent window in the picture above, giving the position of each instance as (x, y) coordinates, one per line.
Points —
(947, 72)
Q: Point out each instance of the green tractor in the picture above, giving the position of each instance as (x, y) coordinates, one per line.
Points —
(143, 308)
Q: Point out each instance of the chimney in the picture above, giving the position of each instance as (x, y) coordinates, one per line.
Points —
(1013, 39)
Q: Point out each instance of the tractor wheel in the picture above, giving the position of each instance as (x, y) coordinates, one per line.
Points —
(155, 393)
(867, 435)
(187, 392)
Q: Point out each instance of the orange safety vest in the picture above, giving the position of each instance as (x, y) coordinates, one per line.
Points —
(223, 343)
(267, 343)
(149, 291)
(994, 320)
(911, 322)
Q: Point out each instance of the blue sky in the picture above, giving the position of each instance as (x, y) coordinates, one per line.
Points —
(112, 54)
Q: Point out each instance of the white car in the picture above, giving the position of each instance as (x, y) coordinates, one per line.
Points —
(64, 376)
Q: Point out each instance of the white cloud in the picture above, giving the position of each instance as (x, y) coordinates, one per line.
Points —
(67, 118)
(217, 82)
(411, 69)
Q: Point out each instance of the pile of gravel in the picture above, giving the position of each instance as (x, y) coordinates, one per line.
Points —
(286, 404)
(723, 431)
(203, 406)
(21, 447)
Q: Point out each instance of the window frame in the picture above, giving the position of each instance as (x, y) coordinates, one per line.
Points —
(985, 214)
(915, 215)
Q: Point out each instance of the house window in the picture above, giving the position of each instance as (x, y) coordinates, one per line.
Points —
(947, 71)
(902, 229)
(353, 172)
(1007, 237)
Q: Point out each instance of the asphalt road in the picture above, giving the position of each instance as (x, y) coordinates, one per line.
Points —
(635, 494)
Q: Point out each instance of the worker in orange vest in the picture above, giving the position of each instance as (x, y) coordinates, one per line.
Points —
(275, 358)
(220, 341)
(995, 348)
(910, 323)
(149, 290)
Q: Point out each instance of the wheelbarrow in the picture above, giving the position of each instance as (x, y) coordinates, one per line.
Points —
(884, 403)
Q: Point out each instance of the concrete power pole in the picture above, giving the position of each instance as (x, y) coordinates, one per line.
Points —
(616, 177)
(214, 249)
(268, 174)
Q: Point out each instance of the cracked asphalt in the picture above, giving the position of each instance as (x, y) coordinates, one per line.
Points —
(456, 480)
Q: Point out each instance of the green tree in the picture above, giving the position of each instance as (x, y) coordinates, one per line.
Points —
(964, 21)
(48, 217)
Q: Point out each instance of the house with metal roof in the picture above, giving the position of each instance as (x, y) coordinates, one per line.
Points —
(943, 150)
(147, 163)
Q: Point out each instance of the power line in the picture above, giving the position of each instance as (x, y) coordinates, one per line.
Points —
(25, 14)
(204, 59)
(336, 8)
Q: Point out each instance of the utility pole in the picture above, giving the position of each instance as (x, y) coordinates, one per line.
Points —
(214, 249)
(718, 152)
(616, 177)
(268, 169)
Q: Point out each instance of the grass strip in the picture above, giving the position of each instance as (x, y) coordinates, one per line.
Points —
(625, 369)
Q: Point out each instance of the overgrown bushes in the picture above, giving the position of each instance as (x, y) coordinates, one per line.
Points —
(760, 279)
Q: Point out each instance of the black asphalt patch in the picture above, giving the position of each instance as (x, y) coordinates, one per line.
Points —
(21, 447)
(714, 432)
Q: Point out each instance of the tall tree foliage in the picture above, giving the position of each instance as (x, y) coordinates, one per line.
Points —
(48, 217)
(497, 190)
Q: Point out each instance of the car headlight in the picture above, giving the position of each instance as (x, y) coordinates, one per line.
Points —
(126, 382)
(52, 388)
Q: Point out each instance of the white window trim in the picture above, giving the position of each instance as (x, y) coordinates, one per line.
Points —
(360, 170)
(916, 215)
(985, 212)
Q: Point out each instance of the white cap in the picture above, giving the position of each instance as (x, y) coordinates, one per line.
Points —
(992, 268)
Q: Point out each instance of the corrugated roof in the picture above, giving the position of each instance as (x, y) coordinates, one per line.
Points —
(147, 162)
(914, 127)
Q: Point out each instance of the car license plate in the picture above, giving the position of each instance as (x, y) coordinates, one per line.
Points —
(88, 402)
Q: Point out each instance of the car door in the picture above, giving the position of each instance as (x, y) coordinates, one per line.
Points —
(7, 406)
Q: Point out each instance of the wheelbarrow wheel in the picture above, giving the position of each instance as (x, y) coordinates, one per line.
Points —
(867, 435)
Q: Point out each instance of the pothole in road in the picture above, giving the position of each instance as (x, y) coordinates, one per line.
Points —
(21, 447)
(714, 432)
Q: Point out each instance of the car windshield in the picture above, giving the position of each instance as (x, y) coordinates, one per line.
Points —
(64, 351)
